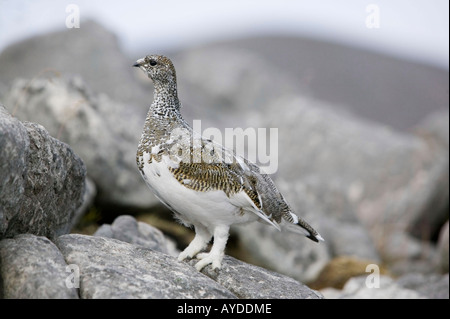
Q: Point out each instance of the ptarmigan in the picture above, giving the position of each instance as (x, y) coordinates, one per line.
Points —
(206, 185)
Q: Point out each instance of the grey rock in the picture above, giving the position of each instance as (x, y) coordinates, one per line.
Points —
(111, 268)
(356, 288)
(104, 230)
(390, 179)
(252, 282)
(90, 193)
(362, 185)
(432, 286)
(332, 211)
(436, 126)
(287, 253)
(418, 255)
(344, 76)
(338, 148)
(126, 228)
(111, 123)
(406, 254)
(222, 94)
(435, 131)
(42, 181)
(328, 210)
(90, 51)
(443, 248)
(32, 267)
(108, 139)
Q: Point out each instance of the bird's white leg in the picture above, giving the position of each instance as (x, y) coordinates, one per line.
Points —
(216, 254)
(200, 241)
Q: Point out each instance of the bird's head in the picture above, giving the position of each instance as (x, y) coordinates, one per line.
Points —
(158, 68)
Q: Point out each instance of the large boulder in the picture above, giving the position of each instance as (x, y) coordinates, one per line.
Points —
(252, 282)
(104, 129)
(443, 247)
(82, 266)
(287, 253)
(32, 267)
(221, 94)
(434, 129)
(433, 286)
(91, 51)
(109, 268)
(42, 180)
(389, 180)
(126, 228)
(253, 71)
(104, 133)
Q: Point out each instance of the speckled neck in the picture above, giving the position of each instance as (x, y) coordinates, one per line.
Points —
(163, 116)
(165, 98)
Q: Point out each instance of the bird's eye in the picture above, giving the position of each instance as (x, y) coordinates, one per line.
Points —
(153, 62)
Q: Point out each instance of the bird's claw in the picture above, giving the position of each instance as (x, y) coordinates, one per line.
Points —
(208, 258)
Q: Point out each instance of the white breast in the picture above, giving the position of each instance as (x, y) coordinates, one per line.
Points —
(210, 208)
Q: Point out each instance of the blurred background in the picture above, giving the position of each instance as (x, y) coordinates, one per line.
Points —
(357, 89)
(287, 33)
(416, 31)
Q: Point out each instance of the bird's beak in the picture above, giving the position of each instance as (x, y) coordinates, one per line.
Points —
(139, 63)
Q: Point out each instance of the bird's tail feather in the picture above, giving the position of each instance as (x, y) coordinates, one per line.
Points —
(298, 225)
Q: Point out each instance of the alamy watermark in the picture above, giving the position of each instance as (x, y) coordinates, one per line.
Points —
(373, 279)
(373, 17)
(73, 19)
(73, 280)
(258, 145)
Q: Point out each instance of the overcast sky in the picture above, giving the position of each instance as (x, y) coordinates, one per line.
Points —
(415, 29)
